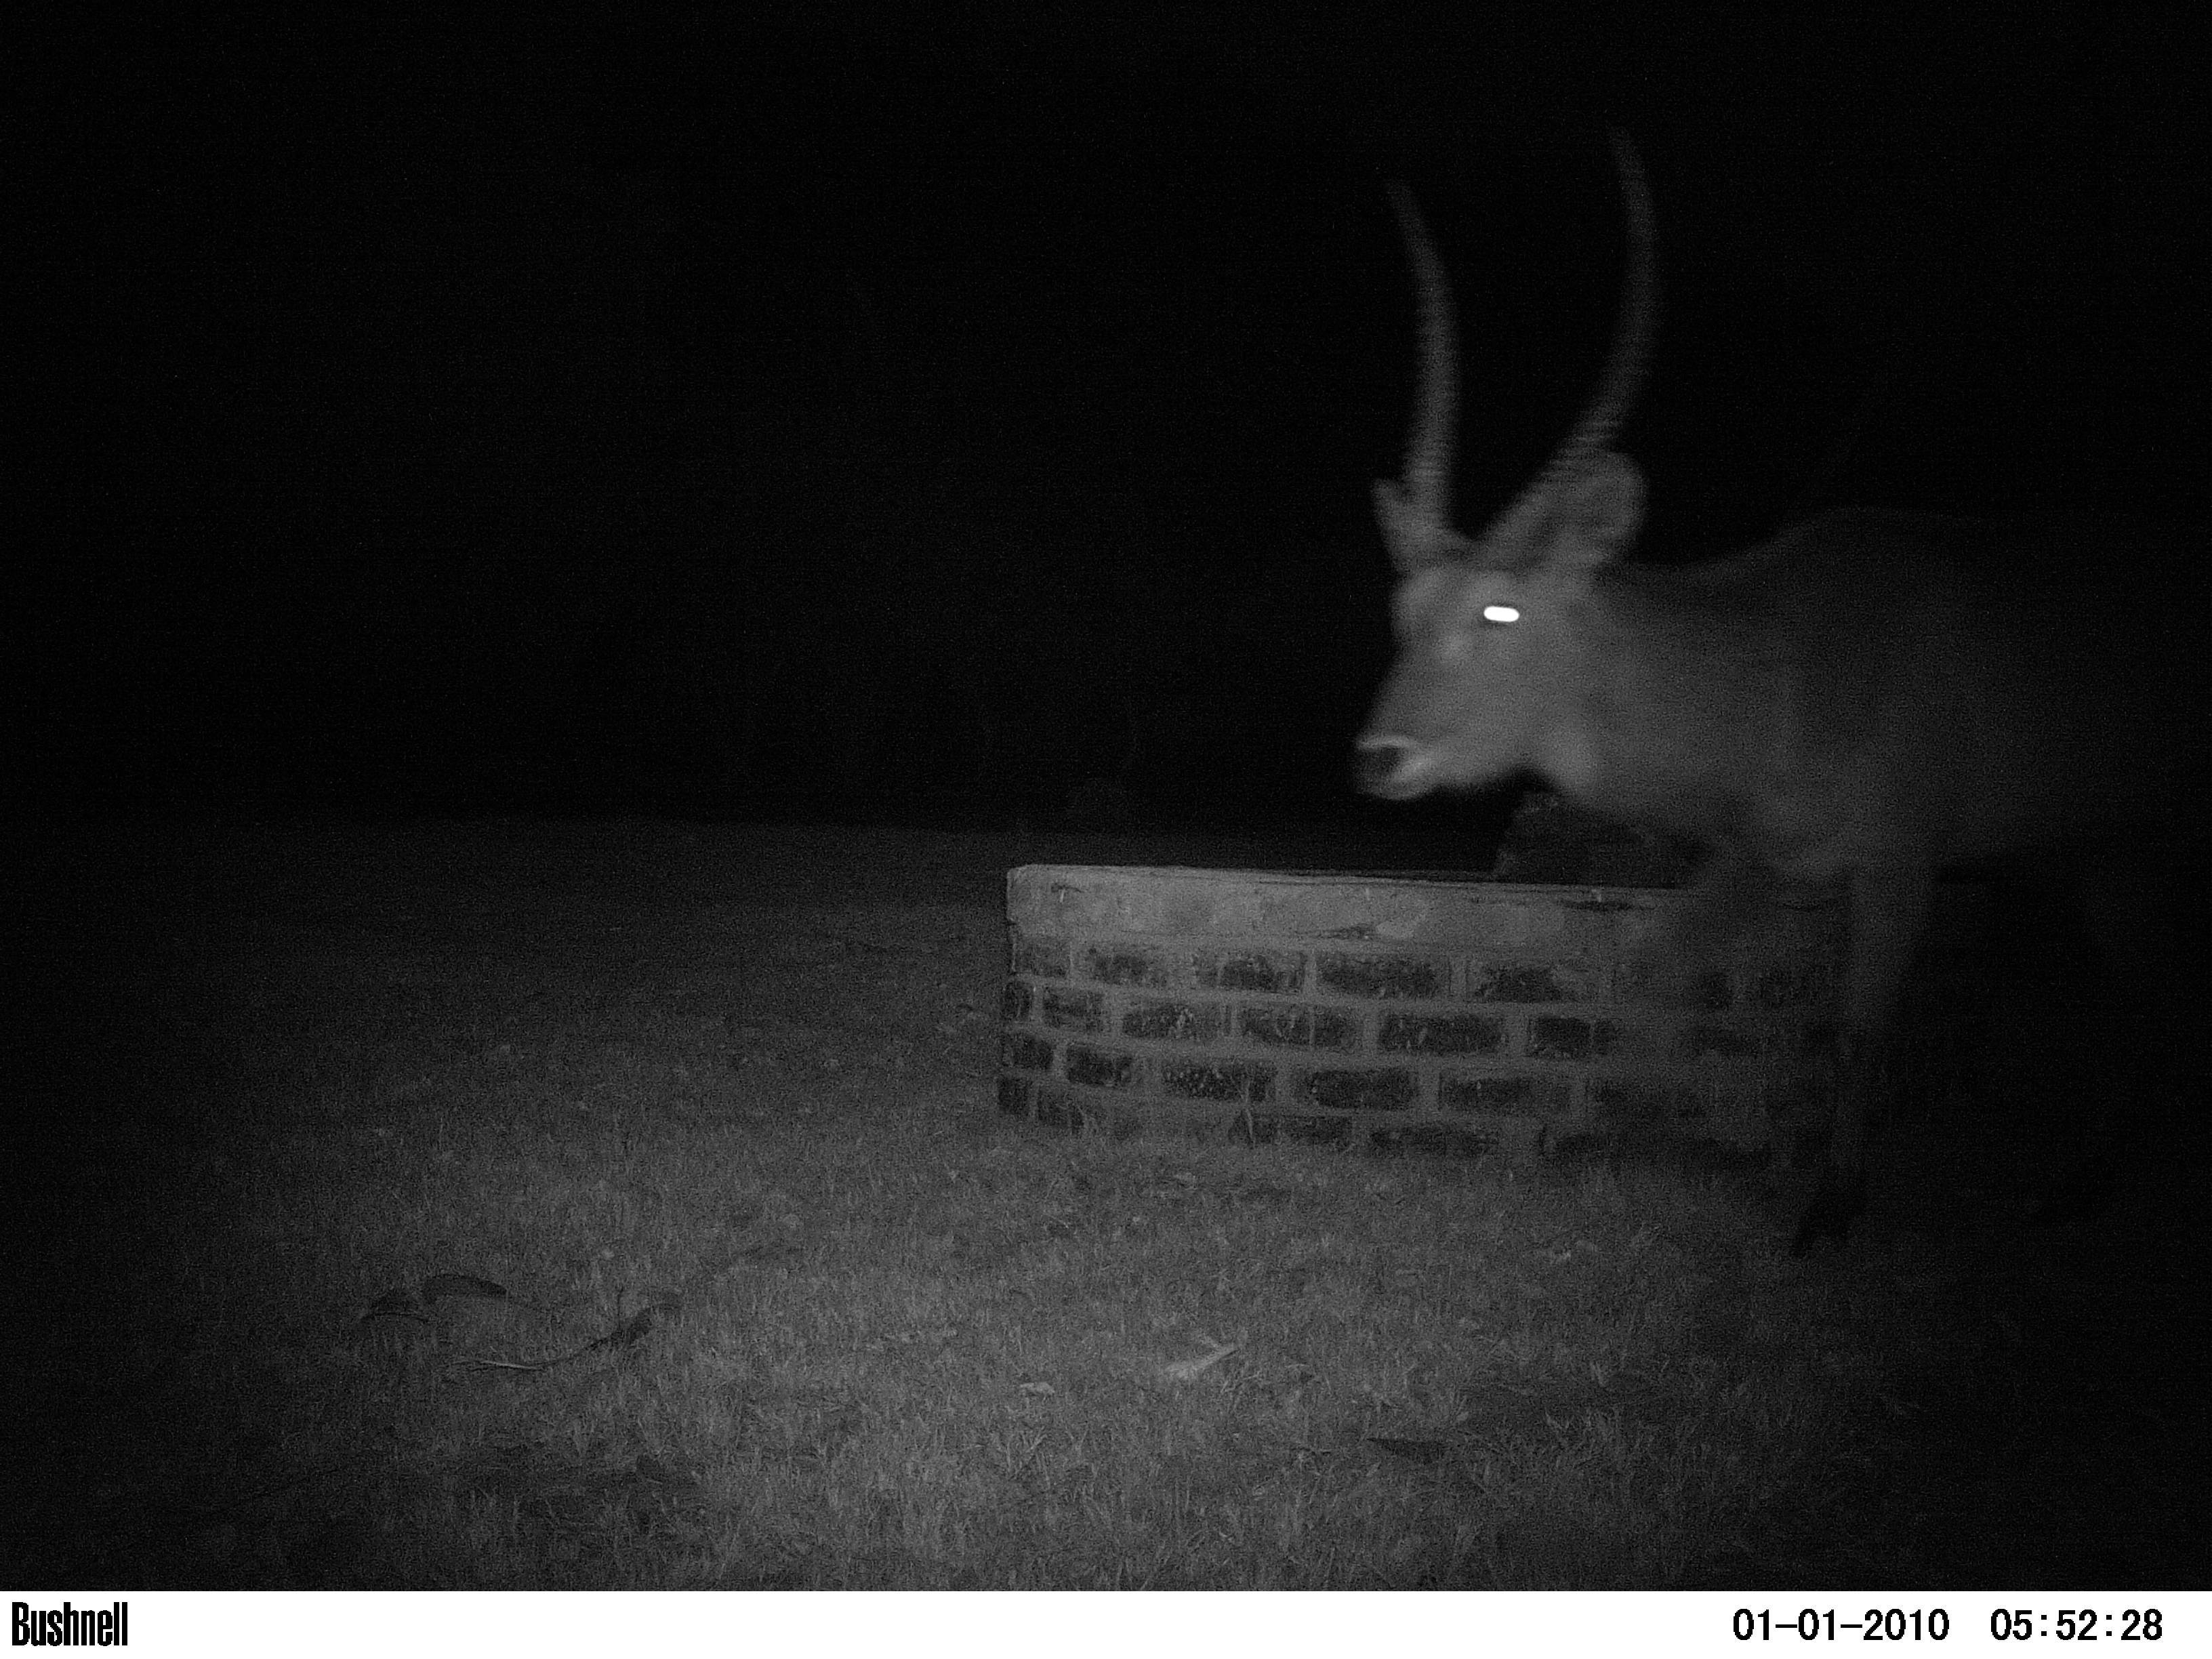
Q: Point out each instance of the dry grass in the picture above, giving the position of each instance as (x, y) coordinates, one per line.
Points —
(711, 1110)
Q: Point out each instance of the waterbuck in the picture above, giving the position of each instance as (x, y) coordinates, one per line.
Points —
(1858, 703)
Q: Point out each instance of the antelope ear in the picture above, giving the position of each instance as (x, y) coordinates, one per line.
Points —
(1603, 507)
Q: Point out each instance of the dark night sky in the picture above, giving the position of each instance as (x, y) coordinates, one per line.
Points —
(729, 421)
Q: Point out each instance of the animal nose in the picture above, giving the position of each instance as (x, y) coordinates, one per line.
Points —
(1382, 763)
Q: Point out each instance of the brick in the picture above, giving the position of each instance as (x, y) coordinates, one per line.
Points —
(1702, 1040)
(1176, 1021)
(1127, 966)
(1532, 982)
(1439, 1034)
(1074, 1011)
(1504, 1094)
(1047, 958)
(1101, 1069)
(1281, 972)
(1559, 1036)
(1381, 1089)
(1623, 1103)
(1382, 976)
(1301, 1130)
(1220, 1080)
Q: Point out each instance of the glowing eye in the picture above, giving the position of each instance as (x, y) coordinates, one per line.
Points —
(1501, 614)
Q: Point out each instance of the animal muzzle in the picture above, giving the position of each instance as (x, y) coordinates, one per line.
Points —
(1395, 768)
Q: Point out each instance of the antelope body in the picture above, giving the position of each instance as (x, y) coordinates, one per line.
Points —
(1857, 703)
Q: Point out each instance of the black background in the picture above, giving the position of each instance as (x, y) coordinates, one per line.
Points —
(907, 415)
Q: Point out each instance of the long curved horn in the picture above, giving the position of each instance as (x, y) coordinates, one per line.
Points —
(1423, 492)
(1608, 406)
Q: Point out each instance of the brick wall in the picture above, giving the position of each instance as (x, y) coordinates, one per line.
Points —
(1460, 1014)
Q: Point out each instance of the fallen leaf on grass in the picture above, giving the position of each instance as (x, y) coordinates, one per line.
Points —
(1183, 1370)
(439, 1285)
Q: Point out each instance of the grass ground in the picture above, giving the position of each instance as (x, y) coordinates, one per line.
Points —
(622, 1206)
